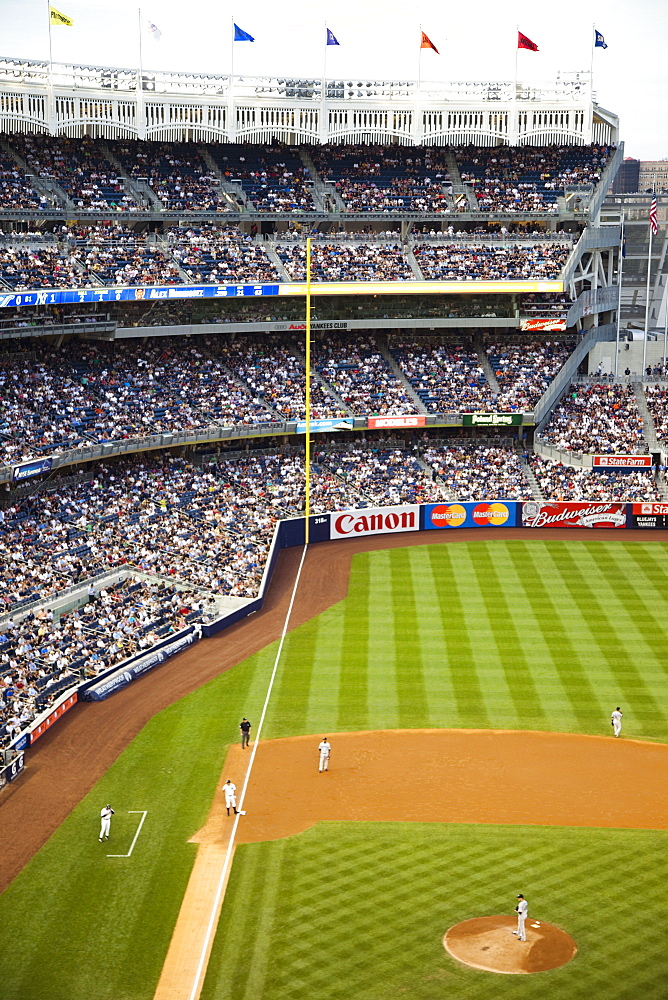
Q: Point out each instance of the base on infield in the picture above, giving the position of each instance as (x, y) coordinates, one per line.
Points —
(488, 943)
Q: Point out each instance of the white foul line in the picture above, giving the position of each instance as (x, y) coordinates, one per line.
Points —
(144, 813)
(223, 874)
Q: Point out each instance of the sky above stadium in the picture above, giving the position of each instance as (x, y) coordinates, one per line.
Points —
(377, 40)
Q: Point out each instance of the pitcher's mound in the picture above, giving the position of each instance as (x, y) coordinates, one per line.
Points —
(488, 943)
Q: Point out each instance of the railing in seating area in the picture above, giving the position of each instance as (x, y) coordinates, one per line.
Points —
(563, 379)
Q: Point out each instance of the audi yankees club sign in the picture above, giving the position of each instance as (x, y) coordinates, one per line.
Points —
(573, 514)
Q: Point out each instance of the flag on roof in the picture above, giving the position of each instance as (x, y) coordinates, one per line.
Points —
(55, 17)
(654, 225)
(525, 43)
(331, 38)
(426, 43)
(599, 40)
(154, 31)
(242, 36)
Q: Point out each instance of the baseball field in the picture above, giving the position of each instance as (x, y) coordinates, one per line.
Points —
(497, 638)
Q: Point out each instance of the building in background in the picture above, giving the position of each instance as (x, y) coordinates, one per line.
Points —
(653, 176)
(627, 179)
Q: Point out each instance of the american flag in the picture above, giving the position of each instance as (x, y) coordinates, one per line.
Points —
(654, 225)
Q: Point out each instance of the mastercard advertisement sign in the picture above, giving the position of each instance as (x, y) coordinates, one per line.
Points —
(481, 514)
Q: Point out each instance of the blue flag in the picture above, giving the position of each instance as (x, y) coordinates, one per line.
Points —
(599, 42)
(242, 36)
(331, 39)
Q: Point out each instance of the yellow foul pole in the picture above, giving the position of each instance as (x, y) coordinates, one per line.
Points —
(308, 390)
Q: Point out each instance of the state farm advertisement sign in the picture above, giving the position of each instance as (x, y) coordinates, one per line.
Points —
(374, 521)
(415, 420)
(486, 514)
(648, 515)
(623, 461)
(573, 514)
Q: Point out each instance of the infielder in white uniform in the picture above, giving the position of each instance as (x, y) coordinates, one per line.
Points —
(230, 790)
(522, 911)
(324, 749)
(616, 721)
(105, 818)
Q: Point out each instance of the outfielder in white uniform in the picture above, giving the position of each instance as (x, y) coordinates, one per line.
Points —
(522, 911)
(230, 790)
(616, 720)
(105, 822)
(324, 749)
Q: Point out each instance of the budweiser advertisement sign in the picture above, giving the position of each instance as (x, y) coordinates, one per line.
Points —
(374, 521)
(623, 461)
(573, 514)
(486, 514)
(414, 420)
(543, 324)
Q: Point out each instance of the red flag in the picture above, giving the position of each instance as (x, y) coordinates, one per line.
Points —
(525, 43)
(426, 43)
(652, 217)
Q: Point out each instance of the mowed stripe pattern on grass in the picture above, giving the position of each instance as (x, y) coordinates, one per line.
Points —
(359, 910)
(509, 635)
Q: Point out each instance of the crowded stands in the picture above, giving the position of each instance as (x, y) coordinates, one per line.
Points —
(491, 262)
(361, 375)
(15, 190)
(45, 654)
(526, 178)
(209, 254)
(596, 419)
(175, 171)
(273, 178)
(447, 378)
(657, 403)
(80, 167)
(523, 371)
(343, 262)
(382, 179)
(560, 482)
(474, 472)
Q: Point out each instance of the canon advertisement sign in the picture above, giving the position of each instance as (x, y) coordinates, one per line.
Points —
(573, 514)
(374, 521)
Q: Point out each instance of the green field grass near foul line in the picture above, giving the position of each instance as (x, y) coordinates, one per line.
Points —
(508, 635)
(359, 910)
(518, 634)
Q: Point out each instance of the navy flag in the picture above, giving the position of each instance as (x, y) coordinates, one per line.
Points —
(242, 36)
(599, 40)
(331, 39)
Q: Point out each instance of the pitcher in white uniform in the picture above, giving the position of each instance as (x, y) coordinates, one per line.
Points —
(522, 911)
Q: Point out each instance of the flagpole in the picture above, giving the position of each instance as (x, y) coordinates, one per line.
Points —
(649, 271)
(141, 128)
(231, 132)
(619, 295)
(591, 64)
(307, 463)
(49, 90)
(323, 91)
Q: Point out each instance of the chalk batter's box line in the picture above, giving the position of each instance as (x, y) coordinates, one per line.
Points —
(144, 814)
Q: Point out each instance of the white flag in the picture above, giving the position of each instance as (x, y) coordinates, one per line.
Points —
(154, 31)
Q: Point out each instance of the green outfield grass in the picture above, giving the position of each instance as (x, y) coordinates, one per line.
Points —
(314, 916)
(519, 634)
